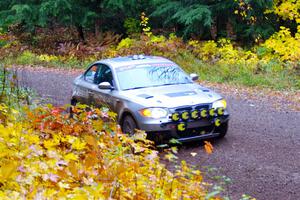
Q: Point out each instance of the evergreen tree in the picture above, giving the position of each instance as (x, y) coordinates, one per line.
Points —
(244, 20)
(83, 14)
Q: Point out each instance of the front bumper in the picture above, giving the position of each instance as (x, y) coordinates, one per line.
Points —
(199, 129)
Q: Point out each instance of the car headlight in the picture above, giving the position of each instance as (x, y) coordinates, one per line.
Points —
(220, 104)
(155, 113)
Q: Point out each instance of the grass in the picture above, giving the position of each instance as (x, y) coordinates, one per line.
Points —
(28, 58)
(273, 75)
(284, 79)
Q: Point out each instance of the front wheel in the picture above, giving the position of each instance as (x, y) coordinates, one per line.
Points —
(222, 129)
(73, 103)
(129, 125)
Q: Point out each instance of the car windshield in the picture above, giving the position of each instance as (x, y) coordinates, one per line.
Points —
(150, 75)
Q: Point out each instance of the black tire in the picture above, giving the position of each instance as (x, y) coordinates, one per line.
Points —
(73, 103)
(222, 129)
(129, 125)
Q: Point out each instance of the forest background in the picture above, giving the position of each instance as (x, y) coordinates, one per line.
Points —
(254, 43)
(46, 154)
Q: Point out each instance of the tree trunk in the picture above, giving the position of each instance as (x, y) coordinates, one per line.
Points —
(230, 31)
(80, 33)
(97, 28)
(221, 26)
(214, 29)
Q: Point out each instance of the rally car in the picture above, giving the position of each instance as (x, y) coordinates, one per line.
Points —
(153, 94)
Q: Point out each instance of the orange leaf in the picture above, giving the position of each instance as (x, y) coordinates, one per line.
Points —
(73, 169)
(208, 147)
(90, 162)
(78, 129)
(91, 141)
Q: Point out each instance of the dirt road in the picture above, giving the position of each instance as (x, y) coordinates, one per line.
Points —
(260, 154)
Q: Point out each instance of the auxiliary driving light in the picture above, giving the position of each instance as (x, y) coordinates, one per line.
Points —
(220, 111)
(203, 113)
(175, 117)
(185, 115)
(217, 122)
(195, 114)
(212, 112)
(181, 127)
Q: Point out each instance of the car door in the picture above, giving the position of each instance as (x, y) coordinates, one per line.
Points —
(84, 89)
(102, 97)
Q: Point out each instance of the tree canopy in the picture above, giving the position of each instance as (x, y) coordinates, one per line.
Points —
(245, 20)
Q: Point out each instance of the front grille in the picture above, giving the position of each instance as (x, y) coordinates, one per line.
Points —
(203, 106)
(183, 109)
(192, 132)
(189, 108)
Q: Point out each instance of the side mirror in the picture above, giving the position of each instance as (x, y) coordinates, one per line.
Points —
(194, 77)
(105, 86)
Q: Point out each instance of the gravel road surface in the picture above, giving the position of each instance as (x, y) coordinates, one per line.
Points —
(260, 154)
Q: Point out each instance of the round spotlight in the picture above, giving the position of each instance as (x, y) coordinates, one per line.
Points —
(220, 111)
(202, 132)
(203, 113)
(175, 117)
(181, 127)
(195, 114)
(185, 115)
(212, 112)
(217, 122)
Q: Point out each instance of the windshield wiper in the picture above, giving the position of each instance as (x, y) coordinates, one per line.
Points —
(168, 84)
(164, 84)
(135, 88)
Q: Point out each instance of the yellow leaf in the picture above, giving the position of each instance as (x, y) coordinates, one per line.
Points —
(63, 185)
(33, 139)
(7, 170)
(78, 145)
(70, 156)
(80, 195)
(49, 144)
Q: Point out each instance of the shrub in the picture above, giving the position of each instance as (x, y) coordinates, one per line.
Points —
(49, 155)
(27, 57)
(132, 27)
(283, 45)
(10, 93)
(125, 43)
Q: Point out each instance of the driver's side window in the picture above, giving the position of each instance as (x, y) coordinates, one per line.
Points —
(99, 73)
(104, 75)
(91, 73)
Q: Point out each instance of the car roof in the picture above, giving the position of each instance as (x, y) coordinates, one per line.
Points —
(133, 60)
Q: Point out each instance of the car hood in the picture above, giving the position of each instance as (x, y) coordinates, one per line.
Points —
(172, 96)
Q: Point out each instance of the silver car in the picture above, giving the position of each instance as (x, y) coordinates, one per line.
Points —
(153, 94)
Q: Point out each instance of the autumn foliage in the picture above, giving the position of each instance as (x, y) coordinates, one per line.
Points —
(48, 155)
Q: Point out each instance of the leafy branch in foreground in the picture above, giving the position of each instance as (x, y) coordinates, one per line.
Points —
(49, 155)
